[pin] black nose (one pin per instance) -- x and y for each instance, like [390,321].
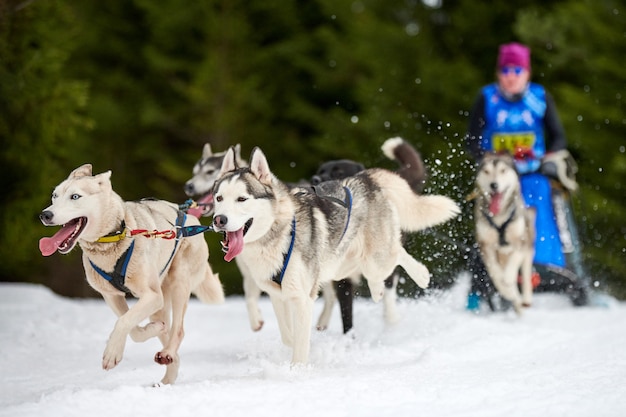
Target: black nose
[190,189]
[220,220]
[494,186]
[46,216]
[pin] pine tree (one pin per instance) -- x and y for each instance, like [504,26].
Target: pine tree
[42,121]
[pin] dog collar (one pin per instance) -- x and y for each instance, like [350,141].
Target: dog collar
[115,236]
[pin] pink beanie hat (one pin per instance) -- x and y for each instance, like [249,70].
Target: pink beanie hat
[514,54]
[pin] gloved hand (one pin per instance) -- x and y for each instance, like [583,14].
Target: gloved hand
[561,166]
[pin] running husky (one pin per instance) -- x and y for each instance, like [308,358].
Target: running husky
[160,273]
[291,241]
[505,228]
[200,186]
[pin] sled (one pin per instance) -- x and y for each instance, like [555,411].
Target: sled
[572,279]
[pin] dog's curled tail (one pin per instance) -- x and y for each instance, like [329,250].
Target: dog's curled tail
[412,168]
[210,290]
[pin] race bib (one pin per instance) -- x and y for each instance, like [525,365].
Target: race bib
[513,143]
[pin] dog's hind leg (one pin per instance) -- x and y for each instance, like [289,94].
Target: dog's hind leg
[210,290]
[527,285]
[416,270]
[389,299]
[345,295]
[343,292]
[329,295]
[179,294]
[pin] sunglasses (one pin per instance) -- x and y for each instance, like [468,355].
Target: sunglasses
[509,70]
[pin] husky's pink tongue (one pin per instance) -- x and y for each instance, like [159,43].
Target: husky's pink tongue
[494,205]
[49,245]
[199,211]
[235,244]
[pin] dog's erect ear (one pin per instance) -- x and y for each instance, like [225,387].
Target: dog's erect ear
[259,166]
[238,159]
[104,178]
[206,151]
[229,163]
[486,158]
[81,171]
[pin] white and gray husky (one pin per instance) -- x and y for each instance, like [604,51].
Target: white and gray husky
[205,171]
[161,273]
[291,241]
[505,228]
[411,168]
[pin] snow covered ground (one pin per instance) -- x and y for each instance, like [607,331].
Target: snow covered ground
[439,360]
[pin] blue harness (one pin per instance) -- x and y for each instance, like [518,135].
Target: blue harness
[117,277]
[278,277]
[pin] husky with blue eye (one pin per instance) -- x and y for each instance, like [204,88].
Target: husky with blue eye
[160,273]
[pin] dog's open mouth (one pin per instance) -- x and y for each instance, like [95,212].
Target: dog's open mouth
[204,206]
[494,203]
[232,244]
[65,239]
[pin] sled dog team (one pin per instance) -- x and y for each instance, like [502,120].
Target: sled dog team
[288,241]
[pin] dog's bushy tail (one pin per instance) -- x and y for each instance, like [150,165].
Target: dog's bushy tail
[416,212]
[210,290]
[425,211]
[412,167]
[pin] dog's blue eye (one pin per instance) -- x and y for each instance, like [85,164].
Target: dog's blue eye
[75,196]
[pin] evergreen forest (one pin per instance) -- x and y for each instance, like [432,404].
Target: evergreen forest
[139,86]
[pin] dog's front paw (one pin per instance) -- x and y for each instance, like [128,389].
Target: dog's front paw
[111,357]
[255,317]
[258,326]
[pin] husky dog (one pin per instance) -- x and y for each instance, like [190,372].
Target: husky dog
[505,228]
[204,175]
[291,241]
[160,273]
[412,169]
